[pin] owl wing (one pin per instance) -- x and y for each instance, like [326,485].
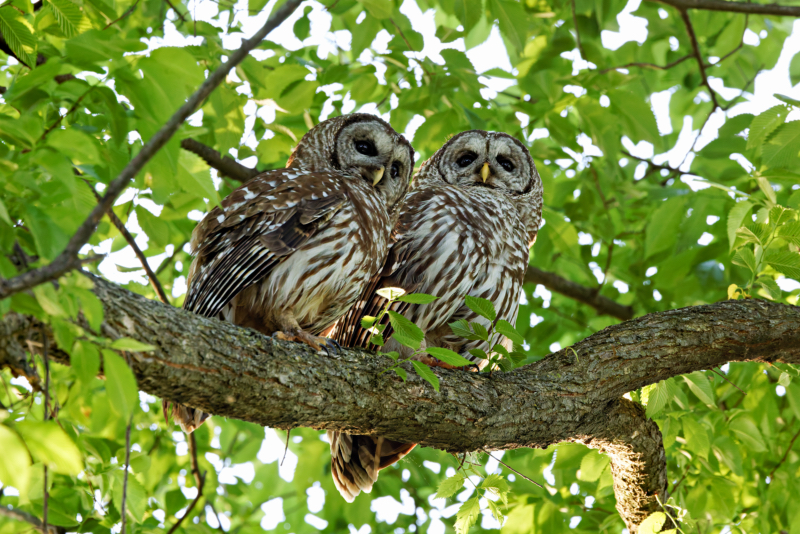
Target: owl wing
[258,225]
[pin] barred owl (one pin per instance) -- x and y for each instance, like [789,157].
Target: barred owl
[290,251]
[465,229]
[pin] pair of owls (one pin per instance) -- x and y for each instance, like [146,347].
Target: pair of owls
[302,250]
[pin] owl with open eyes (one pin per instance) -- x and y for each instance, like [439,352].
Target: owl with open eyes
[289,252]
[465,228]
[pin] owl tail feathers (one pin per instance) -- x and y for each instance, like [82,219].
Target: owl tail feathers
[356,460]
[189,418]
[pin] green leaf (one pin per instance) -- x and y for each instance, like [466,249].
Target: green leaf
[85,360]
[52,446]
[495,481]
[507,329]
[448,356]
[449,486]
[735,217]
[766,188]
[405,332]
[764,124]
[48,299]
[194,177]
[18,33]
[467,515]
[662,231]
[481,306]
[699,384]
[653,523]
[136,499]
[747,432]
[120,384]
[367,322]
[417,298]
[658,396]
[129,344]
[380,9]
[15,465]
[790,232]
[512,20]
[461,328]
[480,331]
[789,100]
[696,437]
[745,258]
[468,12]
[401,373]
[592,466]
[69,17]
[783,147]
[771,287]
[479,353]
[785,262]
[4,214]
[426,374]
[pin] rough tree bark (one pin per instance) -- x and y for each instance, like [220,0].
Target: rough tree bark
[568,396]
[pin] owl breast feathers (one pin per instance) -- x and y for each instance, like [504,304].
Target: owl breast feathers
[290,251]
[465,229]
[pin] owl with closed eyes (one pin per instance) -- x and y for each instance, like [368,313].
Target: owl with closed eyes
[466,228]
[289,252]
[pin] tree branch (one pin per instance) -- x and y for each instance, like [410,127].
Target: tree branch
[586,295]
[19,515]
[698,56]
[68,259]
[734,7]
[225,165]
[571,395]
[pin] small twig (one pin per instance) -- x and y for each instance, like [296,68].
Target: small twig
[738,47]
[678,483]
[125,475]
[785,455]
[225,165]
[744,89]
[581,51]
[19,515]
[648,65]
[198,479]
[696,48]
[72,108]
[175,9]
[286,449]
[526,477]
[46,360]
[403,36]
[136,250]
[127,12]
[725,378]
[608,266]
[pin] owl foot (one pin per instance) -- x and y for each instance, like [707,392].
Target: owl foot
[315,342]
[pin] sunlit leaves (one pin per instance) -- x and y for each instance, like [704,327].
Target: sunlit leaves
[49,444]
[18,33]
[121,384]
[15,467]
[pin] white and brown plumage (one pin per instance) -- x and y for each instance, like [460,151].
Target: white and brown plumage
[290,251]
[465,229]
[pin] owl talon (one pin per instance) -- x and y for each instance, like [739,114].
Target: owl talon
[318,343]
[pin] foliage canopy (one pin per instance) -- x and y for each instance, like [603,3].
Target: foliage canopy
[646,211]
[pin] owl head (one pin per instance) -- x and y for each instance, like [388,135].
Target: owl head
[363,145]
[494,162]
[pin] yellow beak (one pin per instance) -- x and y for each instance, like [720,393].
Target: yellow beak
[485,172]
[377,176]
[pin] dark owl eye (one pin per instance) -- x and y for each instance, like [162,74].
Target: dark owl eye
[505,163]
[396,167]
[466,159]
[366,147]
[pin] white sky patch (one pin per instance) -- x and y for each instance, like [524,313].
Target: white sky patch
[631,28]
[387,508]
[660,104]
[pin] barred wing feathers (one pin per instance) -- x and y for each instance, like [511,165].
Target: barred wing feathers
[258,225]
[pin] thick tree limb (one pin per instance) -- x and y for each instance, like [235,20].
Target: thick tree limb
[734,7]
[568,396]
[586,295]
[68,259]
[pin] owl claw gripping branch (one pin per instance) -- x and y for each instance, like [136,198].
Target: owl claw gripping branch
[290,251]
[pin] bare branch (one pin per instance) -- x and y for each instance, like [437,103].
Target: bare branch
[154,281]
[698,56]
[198,479]
[649,65]
[586,295]
[125,475]
[581,51]
[785,455]
[225,165]
[67,260]
[19,515]
[734,7]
